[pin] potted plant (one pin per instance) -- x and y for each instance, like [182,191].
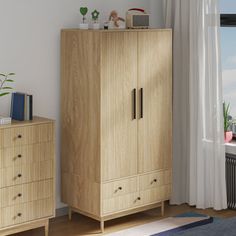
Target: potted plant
[83,12]
[4,84]
[227,122]
[95,15]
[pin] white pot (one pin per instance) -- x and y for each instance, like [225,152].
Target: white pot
[96,26]
[83,26]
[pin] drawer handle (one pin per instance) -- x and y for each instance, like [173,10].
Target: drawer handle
[19,195]
[137,199]
[154,181]
[19,136]
[119,189]
[19,175]
[19,156]
[19,214]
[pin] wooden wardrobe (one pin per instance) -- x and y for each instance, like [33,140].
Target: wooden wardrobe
[116,121]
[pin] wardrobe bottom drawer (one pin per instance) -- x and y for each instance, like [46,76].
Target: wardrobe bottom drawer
[13,215]
[117,204]
[155,195]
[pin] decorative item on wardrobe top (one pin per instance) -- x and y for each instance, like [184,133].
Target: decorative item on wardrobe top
[95,15]
[137,18]
[83,12]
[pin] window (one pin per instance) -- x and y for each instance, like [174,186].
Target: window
[228,52]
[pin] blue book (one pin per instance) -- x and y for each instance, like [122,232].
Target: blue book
[18,106]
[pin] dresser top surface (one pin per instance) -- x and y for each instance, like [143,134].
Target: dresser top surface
[115,30]
[36,120]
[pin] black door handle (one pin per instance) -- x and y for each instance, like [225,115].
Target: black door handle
[141,103]
[134,104]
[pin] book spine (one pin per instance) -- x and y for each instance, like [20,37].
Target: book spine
[18,106]
[25,107]
[12,102]
[31,107]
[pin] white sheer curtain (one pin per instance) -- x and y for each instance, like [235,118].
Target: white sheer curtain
[198,149]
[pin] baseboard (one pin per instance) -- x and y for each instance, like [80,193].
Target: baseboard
[62,211]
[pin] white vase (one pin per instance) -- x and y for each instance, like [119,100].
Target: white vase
[96,26]
[83,26]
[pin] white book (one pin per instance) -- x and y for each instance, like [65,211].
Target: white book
[5,120]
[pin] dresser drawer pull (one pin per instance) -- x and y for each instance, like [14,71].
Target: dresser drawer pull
[119,189]
[19,214]
[19,175]
[19,136]
[154,181]
[19,195]
[19,156]
[137,199]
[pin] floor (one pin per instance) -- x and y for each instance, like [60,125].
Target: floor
[80,225]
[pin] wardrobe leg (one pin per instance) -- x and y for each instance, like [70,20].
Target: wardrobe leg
[162,208]
[102,226]
[46,228]
[70,213]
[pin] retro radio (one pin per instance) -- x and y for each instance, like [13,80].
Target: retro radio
[137,19]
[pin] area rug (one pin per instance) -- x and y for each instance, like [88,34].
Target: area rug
[167,226]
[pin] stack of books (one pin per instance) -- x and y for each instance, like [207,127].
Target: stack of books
[21,106]
[5,120]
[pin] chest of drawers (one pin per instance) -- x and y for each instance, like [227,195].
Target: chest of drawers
[27,188]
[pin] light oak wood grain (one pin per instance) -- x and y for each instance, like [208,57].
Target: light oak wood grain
[21,155]
[26,212]
[155,195]
[26,135]
[80,120]
[125,202]
[26,173]
[155,77]
[26,193]
[118,128]
[155,179]
[120,187]
[106,153]
[27,170]
[71,193]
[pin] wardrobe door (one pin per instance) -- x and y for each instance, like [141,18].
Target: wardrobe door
[155,99]
[118,121]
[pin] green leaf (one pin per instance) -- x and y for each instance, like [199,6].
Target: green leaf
[7,88]
[83,11]
[9,80]
[11,73]
[3,94]
[2,75]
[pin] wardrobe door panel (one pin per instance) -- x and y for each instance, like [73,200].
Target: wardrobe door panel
[118,123]
[155,96]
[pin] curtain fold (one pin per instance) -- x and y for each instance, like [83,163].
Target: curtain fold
[198,143]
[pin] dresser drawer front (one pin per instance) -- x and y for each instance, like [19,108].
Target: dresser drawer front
[19,136]
[21,155]
[121,203]
[155,179]
[21,213]
[26,173]
[118,188]
[26,193]
[155,195]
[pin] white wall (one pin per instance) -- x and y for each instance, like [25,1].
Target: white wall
[30,47]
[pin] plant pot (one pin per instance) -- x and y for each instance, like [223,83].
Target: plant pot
[228,136]
[83,26]
[96,26]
